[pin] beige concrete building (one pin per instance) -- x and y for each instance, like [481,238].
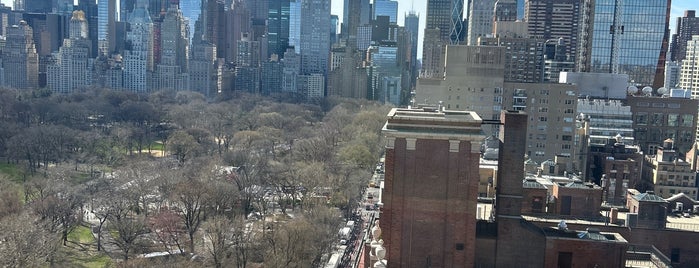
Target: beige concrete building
[551,109]
[473,78]
[670,174]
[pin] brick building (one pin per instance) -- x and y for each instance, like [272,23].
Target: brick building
[431,187]
[577,199]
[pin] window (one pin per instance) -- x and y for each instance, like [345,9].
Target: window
[565,146]
[543,109]
[567,137]
[673,120]
[642,118]
[687,120]
[569,111]
[543,119]
[569,102]
[657,119]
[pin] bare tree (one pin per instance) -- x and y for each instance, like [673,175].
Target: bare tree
[191,199]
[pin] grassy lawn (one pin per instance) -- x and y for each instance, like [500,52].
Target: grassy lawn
[81,251]
[158,146]
[12,171]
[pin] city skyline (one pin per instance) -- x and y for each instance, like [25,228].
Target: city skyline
[419,6]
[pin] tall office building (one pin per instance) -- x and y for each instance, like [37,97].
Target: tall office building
[138,55]
[171,72]
[72,68]
[555,19]
[386,8]
[687,26]
[480,20]
[295,25]
[447,16]
[211,27]
[315,41]
[355,13]
[627,37]
[277,27]
[412,25]
[106,19]
[19,58]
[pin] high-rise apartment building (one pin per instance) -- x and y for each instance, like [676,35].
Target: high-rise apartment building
[315,40]
[552,110]
[555,19]
[19,58]
[480,20]
[72,68]
[204,74]
[627,37]
[687,26]
[524,58]
[138,55]
[689,72]
[386,8]
[171,72]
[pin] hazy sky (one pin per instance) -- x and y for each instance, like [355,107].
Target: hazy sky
[678,8]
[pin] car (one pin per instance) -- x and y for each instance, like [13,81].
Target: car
[370,196]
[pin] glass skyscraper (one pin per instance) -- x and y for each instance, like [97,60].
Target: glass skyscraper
[386,8]
[277,27]
[630,39]
[295,25]
[447,15]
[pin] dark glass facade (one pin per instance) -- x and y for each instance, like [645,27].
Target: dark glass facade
[633,42]
[277,27]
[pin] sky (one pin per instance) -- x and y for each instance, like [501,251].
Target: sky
[420,6]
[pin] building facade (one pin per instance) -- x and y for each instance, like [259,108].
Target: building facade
[627,37]
[430,213]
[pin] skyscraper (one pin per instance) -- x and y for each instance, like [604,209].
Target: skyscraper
[138,55]
[106,18]
[480,20]
[277,27]
[385,8]
[355,13]
[447,15]
[89,7]
[315,41]
[542,23]
[19,58]
[689,72]
[628,37]
[687,26]
[171,72]
[412,25]
[295,25]
[73,66]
